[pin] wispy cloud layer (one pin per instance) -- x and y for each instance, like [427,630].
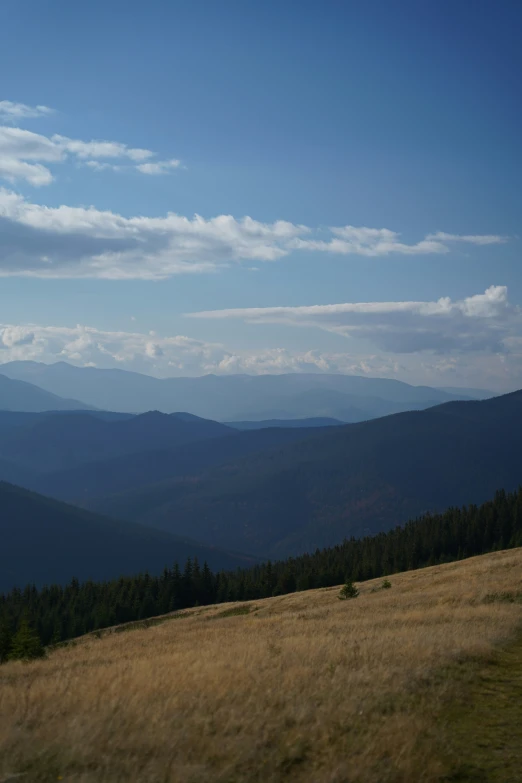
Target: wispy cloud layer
[363,241]
[23,153]
[72,241]
[474,239]
[68,241]
[20,111]
[159,166]
[482,322]
[78,242]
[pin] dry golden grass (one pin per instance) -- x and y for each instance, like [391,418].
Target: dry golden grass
[304,688]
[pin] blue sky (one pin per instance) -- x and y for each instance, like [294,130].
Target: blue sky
[355,168]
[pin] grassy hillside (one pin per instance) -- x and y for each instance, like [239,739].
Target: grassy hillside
[301,688]
[353,480]
[44,541]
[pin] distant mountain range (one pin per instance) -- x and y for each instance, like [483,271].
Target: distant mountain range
[19,395]
[317,421]
[197,487]
[55,442]
[234,397]
[343,481]
[76,456]
[46,542]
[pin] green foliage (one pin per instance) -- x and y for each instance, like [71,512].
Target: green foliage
[57,613]
[386,584]
[348,590]
[6,640]
[26,643]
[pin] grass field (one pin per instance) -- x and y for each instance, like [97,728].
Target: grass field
[420,682]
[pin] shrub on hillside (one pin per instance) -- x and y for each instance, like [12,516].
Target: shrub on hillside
[348,590]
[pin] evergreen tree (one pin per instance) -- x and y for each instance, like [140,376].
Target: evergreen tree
[6,640]
[62,612]
[348,590]
[26,643]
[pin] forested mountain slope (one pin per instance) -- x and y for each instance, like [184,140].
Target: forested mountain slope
[61,442]
[120,473]
[77,455]
[352,480]
[455,534]
[44,541]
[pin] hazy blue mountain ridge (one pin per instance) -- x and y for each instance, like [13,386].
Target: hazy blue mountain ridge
[232,397]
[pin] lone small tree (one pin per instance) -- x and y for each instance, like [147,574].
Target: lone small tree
[26,643]
[6,641]
[348,590]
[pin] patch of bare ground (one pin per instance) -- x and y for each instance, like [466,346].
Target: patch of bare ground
[303,688]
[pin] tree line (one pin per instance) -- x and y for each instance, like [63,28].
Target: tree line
[31,619]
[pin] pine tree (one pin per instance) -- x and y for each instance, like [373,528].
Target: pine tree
[26,643]
[348,590]
[6,641]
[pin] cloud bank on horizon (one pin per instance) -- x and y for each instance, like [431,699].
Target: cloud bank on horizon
[481,335]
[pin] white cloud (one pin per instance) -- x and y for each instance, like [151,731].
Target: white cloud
[20,111]
[365,241]
[35,174]
[99,149]
[473,239]
[370,242]
[23,152]
[171,355]
[68,241]
[181,355]
[159,167]
[95,165]
[481,322]
[25,145]
[164,356]
[86,242]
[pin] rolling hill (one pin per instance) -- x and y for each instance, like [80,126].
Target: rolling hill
[352,480]
[44,541]
[18,395]
[233,397]
[420,682]
[55,442]
[90,480]
[77,456]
